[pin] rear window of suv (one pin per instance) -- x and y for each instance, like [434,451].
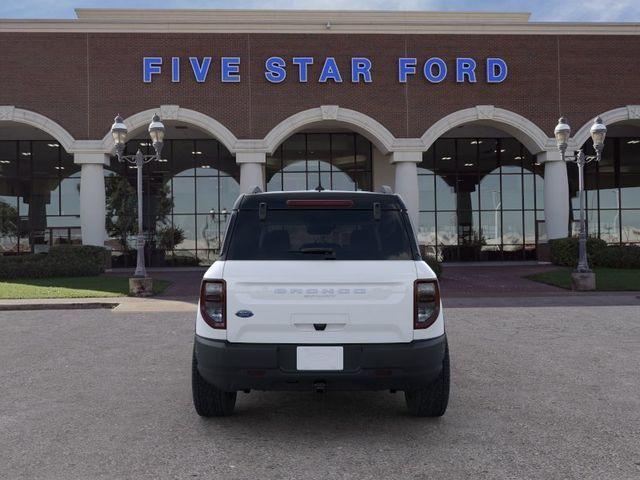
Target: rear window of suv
[312,234]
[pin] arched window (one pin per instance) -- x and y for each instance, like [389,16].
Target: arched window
[480,199]
[334,161]
[188,198]
[612,189]
[39,195]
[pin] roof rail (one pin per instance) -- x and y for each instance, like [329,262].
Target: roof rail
[255,189]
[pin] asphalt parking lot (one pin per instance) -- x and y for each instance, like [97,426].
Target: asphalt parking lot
[537,392]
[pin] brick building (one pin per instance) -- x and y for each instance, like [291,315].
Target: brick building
[455,111]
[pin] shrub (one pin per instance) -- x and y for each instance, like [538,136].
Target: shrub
[564,251]
[61,261]
[168,237]
[182,261]
[618,256]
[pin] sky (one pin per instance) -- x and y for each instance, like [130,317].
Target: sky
[542,10]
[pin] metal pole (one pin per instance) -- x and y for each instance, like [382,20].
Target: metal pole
[140,267]
[583,264]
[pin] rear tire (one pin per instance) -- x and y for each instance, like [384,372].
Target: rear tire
[208,400]
[431,401]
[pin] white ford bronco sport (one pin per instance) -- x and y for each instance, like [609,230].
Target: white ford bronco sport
[320,291]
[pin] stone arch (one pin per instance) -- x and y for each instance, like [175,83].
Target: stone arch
[373,130]
[9,113]
[621,114]
[177,113]
[528,133]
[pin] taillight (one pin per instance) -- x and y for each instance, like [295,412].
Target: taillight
[213,303]
[426,301]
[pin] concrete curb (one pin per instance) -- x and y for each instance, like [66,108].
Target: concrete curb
[578,299]
[57,306]
[115,304]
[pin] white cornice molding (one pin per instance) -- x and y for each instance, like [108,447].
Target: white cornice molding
[297,21]
[292,16]
[37,26]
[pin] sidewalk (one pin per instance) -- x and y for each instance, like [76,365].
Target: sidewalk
[463,286]
[457,280]
[496,280]
[185,282]
[189,304]
[117,304]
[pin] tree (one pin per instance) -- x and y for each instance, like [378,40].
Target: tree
[122,208]
[8,220]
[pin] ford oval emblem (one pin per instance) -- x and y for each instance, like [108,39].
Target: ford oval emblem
[244,313]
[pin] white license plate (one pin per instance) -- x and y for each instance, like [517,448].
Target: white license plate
[320,358]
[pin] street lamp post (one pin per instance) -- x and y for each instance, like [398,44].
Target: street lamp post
[119,133]
[583,278]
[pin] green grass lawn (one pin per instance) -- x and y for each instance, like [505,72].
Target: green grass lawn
[71,287]
[607,279]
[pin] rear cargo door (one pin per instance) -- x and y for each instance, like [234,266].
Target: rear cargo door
[319,302]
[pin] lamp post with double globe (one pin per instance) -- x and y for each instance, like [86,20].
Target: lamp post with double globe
[140,284]
[583,278]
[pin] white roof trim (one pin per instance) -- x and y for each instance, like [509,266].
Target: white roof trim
[278,16]
[311,21]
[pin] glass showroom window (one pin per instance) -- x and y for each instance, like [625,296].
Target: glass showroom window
[480,199]
[336,161]
[39,196]
[188,198]
[612,190]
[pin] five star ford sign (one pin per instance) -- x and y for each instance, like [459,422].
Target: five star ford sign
[360,70]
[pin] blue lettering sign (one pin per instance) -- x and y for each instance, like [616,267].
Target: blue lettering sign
[330,71]
[275,69]
[496,70]
[406,66]
[150,66]
[175,69]
[434,69]
[230,69]
[360,67]
[465,67]
[303,66]
[200,70]
[428,70]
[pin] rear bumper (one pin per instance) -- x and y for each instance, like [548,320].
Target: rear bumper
[391,366]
